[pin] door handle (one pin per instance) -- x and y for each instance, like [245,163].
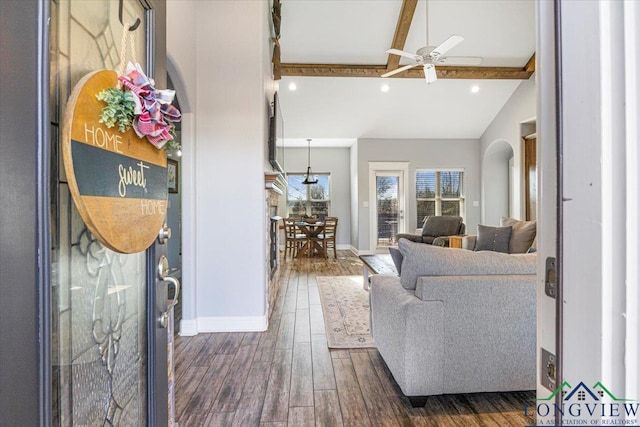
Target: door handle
[163,275]
[176,284]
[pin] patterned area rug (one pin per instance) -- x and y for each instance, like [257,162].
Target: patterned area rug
[345,306]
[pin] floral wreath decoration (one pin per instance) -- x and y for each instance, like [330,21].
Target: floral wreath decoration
[137,103]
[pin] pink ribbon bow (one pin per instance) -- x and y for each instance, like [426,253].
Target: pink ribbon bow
[154,112]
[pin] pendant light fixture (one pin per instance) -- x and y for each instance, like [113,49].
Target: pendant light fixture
[309,179]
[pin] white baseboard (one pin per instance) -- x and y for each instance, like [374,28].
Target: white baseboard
[191,327]
[233,324]
[340,247]
[362,252]
[188,328]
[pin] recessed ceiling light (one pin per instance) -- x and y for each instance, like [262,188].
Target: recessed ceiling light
[385,88]
[475,89]
[292,86]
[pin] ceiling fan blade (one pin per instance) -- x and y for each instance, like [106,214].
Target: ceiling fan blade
[403,53]
[398,70]
[430,75]
[460,60]
[446,45]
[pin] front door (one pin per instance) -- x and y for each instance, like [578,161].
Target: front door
[387,182]
[108,347]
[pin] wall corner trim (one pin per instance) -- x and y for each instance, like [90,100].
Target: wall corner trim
[188,327]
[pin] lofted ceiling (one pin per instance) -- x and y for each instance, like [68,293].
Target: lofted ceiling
[351,33]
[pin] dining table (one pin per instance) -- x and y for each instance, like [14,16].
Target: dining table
[313,246]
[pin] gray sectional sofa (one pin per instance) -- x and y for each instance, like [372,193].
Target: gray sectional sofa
[457,321]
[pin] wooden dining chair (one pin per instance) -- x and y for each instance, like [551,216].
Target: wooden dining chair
[329,235]
[293,238]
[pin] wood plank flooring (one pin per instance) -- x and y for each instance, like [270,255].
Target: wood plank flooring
[286,376]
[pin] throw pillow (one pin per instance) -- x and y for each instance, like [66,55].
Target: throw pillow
[427,260]
[493,238]
[522,235]
[396,256]
[534,246]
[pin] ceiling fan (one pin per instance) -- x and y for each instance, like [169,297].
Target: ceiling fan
[428,57]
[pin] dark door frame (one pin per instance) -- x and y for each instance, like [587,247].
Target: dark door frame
[157,410]
[24,227]
[25,330]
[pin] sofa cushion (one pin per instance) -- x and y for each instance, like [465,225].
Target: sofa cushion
[437,226]
[522,236]
[493,238]
[396,257]
[427,260]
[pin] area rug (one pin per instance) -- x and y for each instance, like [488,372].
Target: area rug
[345,306]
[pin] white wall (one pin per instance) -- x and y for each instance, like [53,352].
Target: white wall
[336,162]
[227,79]
[506,127]
[420,153]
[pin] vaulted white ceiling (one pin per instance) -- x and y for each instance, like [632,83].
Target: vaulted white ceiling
[360,31]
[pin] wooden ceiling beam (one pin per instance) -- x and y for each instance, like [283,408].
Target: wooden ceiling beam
[276,17]
[444,71]
[402,30]
[531,64]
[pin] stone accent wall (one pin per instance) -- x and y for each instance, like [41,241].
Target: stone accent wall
[274,184]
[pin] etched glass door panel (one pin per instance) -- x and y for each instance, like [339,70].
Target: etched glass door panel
[99,328]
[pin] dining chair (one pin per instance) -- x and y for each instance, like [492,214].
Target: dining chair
[293,238]
[329,235]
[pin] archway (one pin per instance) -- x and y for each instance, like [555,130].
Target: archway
[497,182]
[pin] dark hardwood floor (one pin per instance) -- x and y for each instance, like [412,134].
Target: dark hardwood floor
[286,376]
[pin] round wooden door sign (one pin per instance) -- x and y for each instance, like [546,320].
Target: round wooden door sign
[118,181]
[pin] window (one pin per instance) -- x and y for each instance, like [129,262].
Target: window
[305,199]
[439,193]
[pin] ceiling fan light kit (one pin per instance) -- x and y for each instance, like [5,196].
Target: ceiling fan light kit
[430,74]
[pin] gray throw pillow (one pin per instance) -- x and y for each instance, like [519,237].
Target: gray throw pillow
[428,260]
[493,238]
[396,256]
[522,235]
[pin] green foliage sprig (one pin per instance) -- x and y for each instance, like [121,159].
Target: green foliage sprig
[172,144]
[119,109]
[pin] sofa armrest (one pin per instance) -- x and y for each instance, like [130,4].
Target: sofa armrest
[408,333]
[413,237]
[488,320]
[442,241]
[469,242]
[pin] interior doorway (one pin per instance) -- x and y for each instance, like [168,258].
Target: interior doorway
[174,206]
